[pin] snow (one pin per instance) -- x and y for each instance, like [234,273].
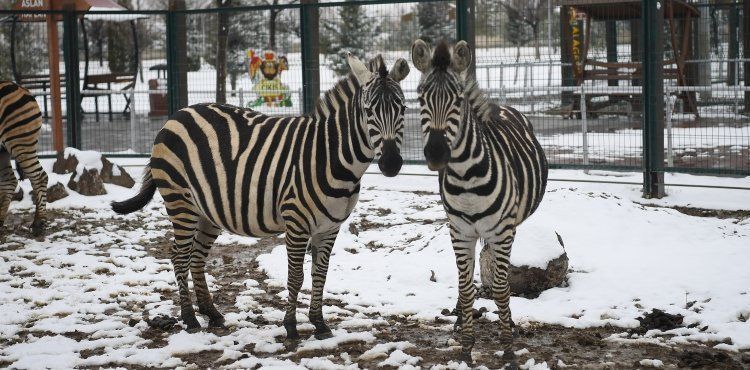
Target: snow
[651,363]
[628,255]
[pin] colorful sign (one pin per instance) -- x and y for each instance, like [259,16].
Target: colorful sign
[265,72]
[576,20]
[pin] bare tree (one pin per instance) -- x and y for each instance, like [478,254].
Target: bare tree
[221,52]
[532,13]
[273,17]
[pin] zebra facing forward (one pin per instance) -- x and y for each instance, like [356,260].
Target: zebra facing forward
[220,167]
[20,123]
[493,173]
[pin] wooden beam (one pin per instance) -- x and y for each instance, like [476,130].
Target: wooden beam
[55,89]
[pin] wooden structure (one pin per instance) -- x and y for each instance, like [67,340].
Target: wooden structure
[584,11]
[53,80]
[92,82]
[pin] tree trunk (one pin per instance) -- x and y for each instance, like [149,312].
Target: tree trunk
[703,51]
[734,46]
[221,55]
[535,30]
[272,27]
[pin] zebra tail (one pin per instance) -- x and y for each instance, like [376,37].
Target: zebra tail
[148,188]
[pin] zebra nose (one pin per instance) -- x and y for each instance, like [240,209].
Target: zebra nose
[390,161]
[436,152]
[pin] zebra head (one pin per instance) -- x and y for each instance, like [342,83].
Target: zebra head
[384,106]
[441,94]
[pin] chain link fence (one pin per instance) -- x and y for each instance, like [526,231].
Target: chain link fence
[575,67]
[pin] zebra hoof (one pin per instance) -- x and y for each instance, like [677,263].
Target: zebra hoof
[291,331]
[465,356]
[191,324]
[38,229]
[216,322]
[323,334]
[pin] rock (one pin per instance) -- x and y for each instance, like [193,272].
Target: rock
[65,163]
[87,183]
[80,163]
[527,280]
[115,174]
[18,196]
[161,322]
[56,192]
[657,319]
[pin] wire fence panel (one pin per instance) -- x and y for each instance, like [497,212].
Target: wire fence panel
[574,67]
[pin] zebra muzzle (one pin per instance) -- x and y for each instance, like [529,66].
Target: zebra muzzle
[390,161]
[436,151]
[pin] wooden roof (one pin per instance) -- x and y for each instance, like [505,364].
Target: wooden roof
[615,10]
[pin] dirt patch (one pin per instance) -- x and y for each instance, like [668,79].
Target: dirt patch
[657,319]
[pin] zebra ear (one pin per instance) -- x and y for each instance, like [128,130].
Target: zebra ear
[359,69]
[400,70]
[461,57]
[421,55]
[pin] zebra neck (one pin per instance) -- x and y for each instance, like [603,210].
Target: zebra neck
[469,159]
[347,141]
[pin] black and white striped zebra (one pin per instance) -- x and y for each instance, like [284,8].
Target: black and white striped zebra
[493,173]
[220,167]
[20,123]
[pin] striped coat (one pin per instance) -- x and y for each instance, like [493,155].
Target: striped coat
[220,167]
[20,124]
[493,174]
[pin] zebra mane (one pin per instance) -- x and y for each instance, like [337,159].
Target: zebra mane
[344,88]
[477,99]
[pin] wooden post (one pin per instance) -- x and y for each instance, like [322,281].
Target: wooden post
[55,89]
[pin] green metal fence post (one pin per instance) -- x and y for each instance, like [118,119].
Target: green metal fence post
[309,27]
[653,98]
[465,28]
[72,89]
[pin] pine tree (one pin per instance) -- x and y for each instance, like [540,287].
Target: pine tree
[353,33]
[434,23]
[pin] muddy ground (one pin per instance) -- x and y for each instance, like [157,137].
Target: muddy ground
[435,341]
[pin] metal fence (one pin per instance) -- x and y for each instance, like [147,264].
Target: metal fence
[575,67]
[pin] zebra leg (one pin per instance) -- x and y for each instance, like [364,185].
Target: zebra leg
[29,163]
[204,237]
[464,247]
[321,253]
[8,184]
[500,249]
[185,220]
[296,246]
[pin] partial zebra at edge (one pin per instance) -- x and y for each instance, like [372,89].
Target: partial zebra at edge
[20,125]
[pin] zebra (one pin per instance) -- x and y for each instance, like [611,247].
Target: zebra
[492,173]
[220,167]
[20,124]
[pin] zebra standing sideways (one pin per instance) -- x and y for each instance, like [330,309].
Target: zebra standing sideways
[20,123]
[223,167]
[493,173]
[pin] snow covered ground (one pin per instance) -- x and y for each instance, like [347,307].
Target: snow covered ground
[68,301]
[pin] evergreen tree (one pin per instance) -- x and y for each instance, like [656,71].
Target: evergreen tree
[353,32]
[434,22]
